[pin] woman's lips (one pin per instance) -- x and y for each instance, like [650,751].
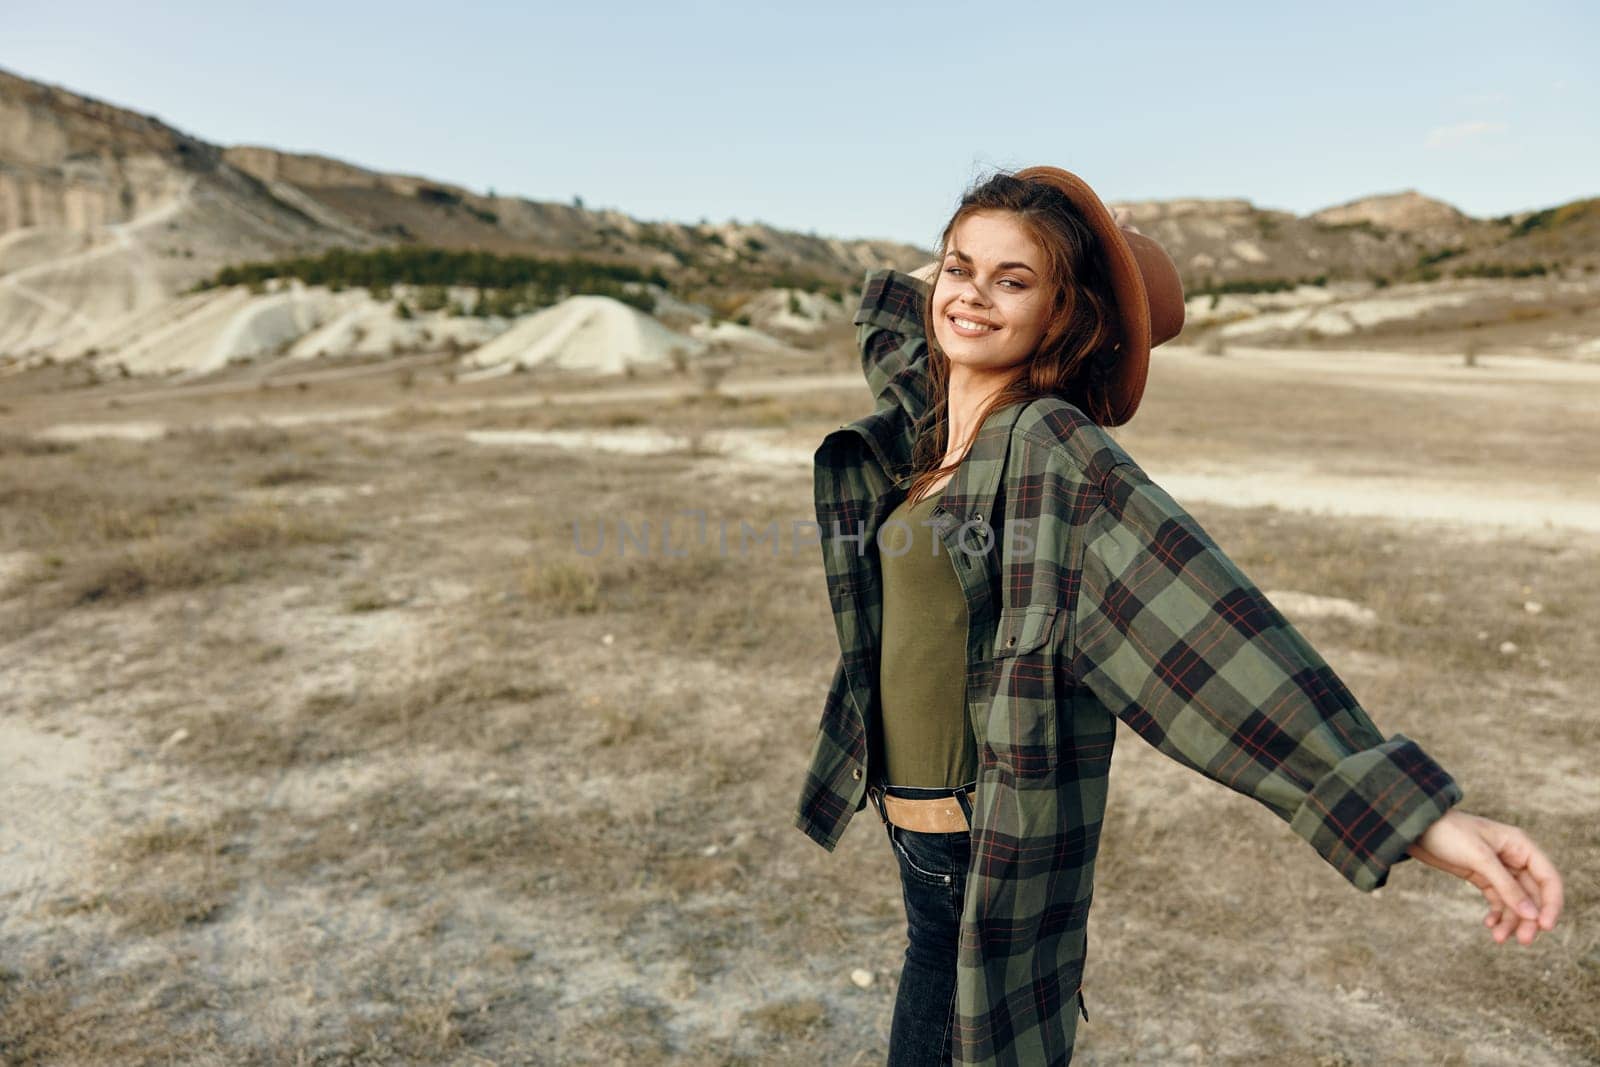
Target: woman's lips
[963,331]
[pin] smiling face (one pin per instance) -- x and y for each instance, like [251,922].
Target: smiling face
[990,299]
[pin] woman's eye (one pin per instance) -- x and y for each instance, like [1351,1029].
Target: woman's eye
[1014,283]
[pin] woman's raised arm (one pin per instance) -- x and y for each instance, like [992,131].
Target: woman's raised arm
[891,339]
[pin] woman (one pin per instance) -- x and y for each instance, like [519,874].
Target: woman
[1007,582]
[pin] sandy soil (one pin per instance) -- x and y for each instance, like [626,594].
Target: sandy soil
[320,743]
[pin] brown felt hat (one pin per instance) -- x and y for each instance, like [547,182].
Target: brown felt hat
[1144,281]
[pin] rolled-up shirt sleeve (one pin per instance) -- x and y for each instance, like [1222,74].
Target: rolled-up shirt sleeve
[891,339]
[1176,641]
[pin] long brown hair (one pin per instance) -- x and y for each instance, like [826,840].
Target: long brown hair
[1078,348]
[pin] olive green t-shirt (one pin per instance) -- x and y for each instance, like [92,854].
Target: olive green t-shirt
[922,674]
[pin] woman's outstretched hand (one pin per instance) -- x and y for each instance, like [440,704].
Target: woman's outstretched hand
[1521,884]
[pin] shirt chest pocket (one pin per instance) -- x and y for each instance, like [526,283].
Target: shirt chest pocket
[1021,730]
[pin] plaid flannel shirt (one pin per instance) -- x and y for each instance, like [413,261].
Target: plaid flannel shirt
[1092,596]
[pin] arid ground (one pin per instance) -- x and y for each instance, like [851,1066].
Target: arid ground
[323,741]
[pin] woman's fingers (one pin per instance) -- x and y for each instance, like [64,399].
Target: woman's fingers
[1496,908]
[1548,881]
[1503,920]
[1510,923]
[1502,929]
[1528,929]
[1538,896]
[1486,864]
[1536,899]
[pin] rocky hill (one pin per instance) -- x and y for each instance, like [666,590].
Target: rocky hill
[106,213]
[1407,211]
[1230,244]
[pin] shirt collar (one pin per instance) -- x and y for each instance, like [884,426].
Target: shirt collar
[971,491]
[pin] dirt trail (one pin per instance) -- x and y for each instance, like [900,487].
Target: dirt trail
[1315,486]
[1487,507]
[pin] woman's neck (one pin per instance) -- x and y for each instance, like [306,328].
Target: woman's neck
[968,392]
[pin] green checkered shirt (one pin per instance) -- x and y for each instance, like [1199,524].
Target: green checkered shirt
[1092,596]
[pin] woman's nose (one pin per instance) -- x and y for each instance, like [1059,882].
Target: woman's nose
[971,294]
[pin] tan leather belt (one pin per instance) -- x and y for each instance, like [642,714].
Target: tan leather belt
[933,815]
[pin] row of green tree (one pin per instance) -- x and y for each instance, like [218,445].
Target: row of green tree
[1215,287]
[506,303]
[542,280]
[1425,270]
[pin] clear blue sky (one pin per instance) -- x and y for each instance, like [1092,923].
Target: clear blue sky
[861,119]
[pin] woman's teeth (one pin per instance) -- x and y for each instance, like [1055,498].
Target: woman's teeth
[968,324]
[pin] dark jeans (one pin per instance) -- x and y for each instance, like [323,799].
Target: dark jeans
[933,879]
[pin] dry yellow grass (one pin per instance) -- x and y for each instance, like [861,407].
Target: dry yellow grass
[400,776]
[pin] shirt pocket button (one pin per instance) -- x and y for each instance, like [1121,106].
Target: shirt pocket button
[856,774]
